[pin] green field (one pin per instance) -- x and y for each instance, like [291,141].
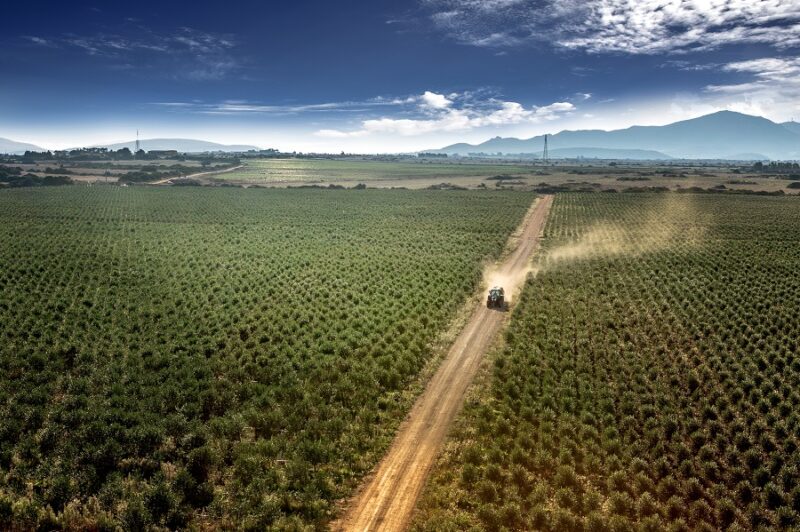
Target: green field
[577,175]
[219,357]
[277,171]
[649,380]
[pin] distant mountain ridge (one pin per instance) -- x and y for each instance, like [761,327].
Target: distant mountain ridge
[12,147]
[720,135]
[608,153]
[598,153]
[181,145]
[792,126]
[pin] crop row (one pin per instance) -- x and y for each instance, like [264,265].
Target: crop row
[218,357]
[649,380]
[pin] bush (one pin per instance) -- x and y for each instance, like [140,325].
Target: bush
[620,504]
[773,496]
[486,491]
[646,506]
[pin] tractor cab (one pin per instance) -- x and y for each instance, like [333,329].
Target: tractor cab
[496,298]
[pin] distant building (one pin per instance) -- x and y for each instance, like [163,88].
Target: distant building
[432,155]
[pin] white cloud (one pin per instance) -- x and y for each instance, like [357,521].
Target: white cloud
[244,107]
[336,134]
[38,40]
[184,52]
[441,115]
[429,112]
[780,68]
[625,26]
[773,86]
[435,101]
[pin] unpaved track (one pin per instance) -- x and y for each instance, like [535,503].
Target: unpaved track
[169,180]
[388,498]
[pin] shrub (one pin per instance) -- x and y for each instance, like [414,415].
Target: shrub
[773,496]
[620,504]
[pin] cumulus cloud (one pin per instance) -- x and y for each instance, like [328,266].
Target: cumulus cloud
[621,26]
[435,101]
[422,114]
[441,114]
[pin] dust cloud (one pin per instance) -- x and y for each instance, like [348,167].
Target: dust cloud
[510,281]
[674,220]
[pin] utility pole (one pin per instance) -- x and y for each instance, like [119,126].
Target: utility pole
[545,155]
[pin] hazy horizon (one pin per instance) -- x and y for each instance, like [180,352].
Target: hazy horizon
[387,77]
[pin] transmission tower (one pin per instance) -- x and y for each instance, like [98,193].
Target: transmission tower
[545,155]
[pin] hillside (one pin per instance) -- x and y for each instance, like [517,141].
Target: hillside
[181,145]
[13,147]
[792,126]
[716,136]
[607,153]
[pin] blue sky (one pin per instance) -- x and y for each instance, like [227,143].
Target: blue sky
[381,76]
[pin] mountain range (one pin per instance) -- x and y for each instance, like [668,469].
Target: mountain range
[792,126]
[14,148]
[721,135]
[181,145]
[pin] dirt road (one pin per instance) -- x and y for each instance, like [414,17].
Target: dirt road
[387,500]
[169,180]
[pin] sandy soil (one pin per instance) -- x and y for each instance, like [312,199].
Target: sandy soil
[388,497]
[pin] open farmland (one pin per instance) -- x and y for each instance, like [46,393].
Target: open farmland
[417,173]
[649,379]
[479,173]
[325,171]
[219,357]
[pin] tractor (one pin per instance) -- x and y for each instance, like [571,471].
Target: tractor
[497,299]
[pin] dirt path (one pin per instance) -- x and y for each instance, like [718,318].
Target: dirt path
[388,498]
[169,180]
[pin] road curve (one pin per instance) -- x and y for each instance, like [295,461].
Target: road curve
[387,499]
